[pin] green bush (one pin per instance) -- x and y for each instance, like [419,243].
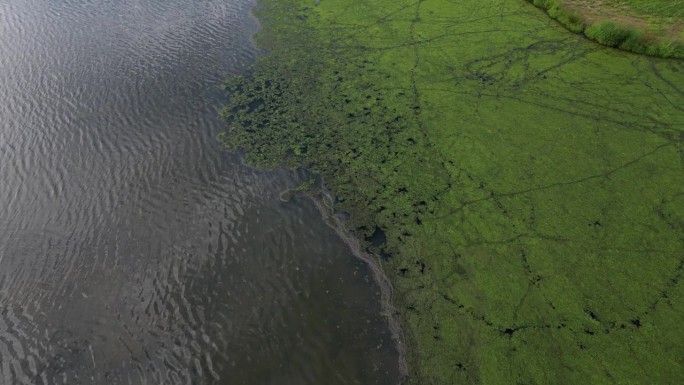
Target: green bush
[636,43]
[611,34]
[664,48]
[572,22]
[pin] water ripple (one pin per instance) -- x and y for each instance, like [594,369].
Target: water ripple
[132,250]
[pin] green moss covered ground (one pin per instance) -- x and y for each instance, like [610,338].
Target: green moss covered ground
[525,187]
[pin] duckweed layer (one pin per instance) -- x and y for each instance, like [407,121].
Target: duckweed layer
[523,187]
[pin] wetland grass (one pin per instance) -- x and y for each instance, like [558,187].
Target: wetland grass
[653,28]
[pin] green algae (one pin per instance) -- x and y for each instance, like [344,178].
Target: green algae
[524,187]
[303,188]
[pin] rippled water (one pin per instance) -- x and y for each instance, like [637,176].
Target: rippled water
[132,249]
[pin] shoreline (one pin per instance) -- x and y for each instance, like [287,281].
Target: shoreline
[321,198]
[622,29]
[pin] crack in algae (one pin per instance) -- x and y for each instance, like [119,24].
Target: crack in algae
[522,189]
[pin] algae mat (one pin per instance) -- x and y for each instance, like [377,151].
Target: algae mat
[523,186]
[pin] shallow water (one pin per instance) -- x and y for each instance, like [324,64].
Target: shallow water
[132,249]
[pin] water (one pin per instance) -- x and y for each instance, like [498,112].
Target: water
[133,250]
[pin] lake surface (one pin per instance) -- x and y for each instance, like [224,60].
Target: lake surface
[133,250]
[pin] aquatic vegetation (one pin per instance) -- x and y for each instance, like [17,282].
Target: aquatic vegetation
[304,187]
[522,187]
[652,27]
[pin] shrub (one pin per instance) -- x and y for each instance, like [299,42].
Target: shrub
[664,48]
[611,34]
[572,22]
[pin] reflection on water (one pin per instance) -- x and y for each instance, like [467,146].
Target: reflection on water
[132,250]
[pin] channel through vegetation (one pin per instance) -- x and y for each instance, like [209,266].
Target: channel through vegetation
[522,187]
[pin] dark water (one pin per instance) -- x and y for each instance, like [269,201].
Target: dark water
[132,249]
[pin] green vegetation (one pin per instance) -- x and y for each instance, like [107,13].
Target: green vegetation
[523,187]
[611,34]
[304,187]
[664,8]
[652,27]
